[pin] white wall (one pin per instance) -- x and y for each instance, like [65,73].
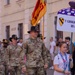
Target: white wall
[0,23]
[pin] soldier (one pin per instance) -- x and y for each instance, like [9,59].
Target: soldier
[3,58]
[15,53]
[37,55]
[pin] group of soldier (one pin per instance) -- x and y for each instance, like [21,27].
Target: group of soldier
[12,56]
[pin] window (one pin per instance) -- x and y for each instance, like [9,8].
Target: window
[58,33]
[7,2]
[18,0]
[7,32]
[20,30]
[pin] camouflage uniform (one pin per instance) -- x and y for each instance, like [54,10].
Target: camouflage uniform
[16,55]
[3,60]
[37,56]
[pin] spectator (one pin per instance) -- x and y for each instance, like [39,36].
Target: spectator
[52,49]
[67,40]
[61,61]
[57,50]
[74,44]
[20,42]
[60,39]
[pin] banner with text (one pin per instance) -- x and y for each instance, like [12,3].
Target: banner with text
[65,23]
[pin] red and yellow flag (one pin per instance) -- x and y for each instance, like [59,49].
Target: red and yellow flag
[39,11]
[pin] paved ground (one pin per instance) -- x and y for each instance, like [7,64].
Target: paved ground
[50,72]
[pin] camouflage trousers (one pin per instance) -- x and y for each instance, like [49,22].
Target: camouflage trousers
[2,70]
[15,70]
[36,71]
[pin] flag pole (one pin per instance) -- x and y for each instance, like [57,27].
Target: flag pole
[71,42]
[72,5]
[71,48]
[43,29]
[43,25]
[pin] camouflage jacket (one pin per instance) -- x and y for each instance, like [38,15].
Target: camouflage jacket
[3,56]
[36,53]
[16,55]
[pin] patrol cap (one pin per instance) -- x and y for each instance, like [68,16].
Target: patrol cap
[33,28]
[13,37]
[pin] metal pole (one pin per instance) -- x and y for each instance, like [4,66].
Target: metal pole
[55,22]
[71,42]
[43,30]
[43,23]
[70,49]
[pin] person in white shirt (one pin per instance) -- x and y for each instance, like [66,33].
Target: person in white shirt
[57,50]
[62,61]
[0,44]
[52,49]
[20,42]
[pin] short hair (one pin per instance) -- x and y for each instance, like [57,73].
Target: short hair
[67,38]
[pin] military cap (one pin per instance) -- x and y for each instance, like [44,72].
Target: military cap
[5,41]
[33,28]
[13,37]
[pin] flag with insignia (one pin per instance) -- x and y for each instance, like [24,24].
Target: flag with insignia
[39,11]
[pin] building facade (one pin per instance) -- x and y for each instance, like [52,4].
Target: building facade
[0,21]
[16,15]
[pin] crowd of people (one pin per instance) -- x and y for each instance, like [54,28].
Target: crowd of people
[33,58]
[63,59]
[20,58]
[11,55]
[8,42]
